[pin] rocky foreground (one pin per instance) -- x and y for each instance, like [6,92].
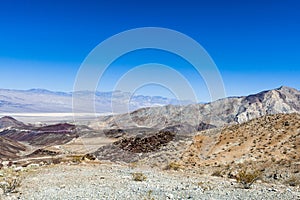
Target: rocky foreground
[96,180]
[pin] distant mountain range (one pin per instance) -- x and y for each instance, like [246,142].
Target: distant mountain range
[232,110]
[156,112]
[45,101]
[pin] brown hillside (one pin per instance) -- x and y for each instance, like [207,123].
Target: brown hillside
[269,138]
[10,148]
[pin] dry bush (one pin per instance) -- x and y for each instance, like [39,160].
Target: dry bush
[205,185]
[218,173]
[173,166]
[74,159]
[247,178]
[10,181]
[56,161]
[133,164]
[293,181]
[138,176]
[149,196]
[89,156]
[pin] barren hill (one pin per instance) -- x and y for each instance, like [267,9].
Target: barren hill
[6,122]
[40,136]
[10,148]
[272,137]
[270,143]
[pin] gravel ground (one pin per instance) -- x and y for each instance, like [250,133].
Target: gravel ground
[114,181]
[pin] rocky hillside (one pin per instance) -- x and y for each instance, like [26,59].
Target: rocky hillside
[233,110]
[10,148]
[38,136]
[268,146]
[272,137]
[6,122]
[270,142]
[132,148]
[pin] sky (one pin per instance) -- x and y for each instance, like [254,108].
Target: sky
[254,44]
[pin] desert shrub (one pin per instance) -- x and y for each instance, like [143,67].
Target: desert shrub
[246,179]
[138,176]
[218,173]
[149,196]
[56,160]
[173,166]
[75,159]
[133,164]
[89,157]
[10,181]
[293,181]
[10,185]
[205,185]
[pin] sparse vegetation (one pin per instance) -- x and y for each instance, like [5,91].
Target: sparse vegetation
[138,176]
[9,181]
[205,185]
[247,178]
[293,181]
[133,164]
[218,173]
[75,159]
[149,196]
[173,166]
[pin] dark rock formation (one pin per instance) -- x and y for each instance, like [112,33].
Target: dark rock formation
[42,152]
[144,144]
[204,126]
[114,133]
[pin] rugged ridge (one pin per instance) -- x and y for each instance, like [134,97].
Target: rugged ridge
[232,110]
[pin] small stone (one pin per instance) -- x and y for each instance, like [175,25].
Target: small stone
[170,196]
[18,169]
[272,189]
[33,165]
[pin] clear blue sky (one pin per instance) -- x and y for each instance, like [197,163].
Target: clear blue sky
[255,44]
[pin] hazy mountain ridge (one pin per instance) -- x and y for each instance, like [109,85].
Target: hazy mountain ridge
[43,101]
